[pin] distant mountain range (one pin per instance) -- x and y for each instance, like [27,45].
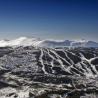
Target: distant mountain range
[24,41]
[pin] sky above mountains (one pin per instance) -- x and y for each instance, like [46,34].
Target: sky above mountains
[52,19]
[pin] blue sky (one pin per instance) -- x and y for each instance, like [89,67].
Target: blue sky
[53,19]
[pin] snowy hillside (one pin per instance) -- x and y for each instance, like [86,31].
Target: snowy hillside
[29,72]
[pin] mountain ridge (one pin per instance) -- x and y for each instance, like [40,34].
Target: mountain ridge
[26,41]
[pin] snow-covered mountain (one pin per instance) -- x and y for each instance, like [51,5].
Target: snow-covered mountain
[24,41]
[41,72]
[29,72]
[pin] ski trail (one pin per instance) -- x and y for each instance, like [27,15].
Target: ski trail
[52,61]
[89,61]
[62,58]
[59,60]
[72,63]
[68,57]
[68,67]
[81,67]
[41,60]
[51,57]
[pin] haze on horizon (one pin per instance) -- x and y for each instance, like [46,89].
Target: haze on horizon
[51,19]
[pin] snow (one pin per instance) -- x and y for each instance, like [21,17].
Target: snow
[25,41]
[46,81]
[22,41]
